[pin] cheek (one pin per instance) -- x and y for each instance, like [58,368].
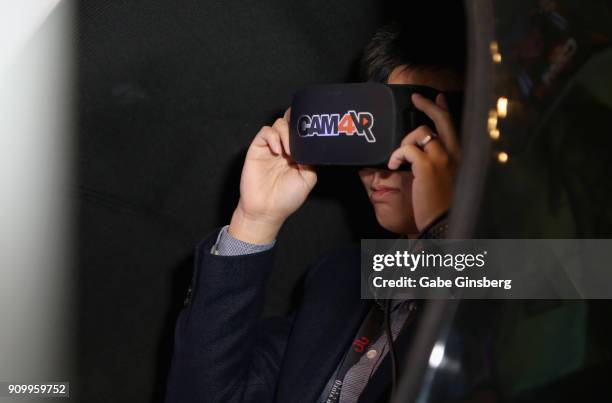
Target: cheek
[402,204]
[406,183]
[366,178]
[402,181]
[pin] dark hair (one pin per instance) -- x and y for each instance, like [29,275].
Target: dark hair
[433,40]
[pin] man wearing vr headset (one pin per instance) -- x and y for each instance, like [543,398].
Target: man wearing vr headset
[223,351]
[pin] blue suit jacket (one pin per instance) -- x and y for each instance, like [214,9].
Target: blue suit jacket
[224,352]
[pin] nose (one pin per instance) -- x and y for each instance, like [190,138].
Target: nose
[380,174]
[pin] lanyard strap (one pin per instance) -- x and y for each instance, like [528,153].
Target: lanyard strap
[370,329]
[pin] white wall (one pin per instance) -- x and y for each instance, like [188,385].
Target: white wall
[35,151]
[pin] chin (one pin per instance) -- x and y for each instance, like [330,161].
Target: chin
[395,217]
[395,225]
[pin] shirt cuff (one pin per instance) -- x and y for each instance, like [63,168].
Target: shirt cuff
[227,245]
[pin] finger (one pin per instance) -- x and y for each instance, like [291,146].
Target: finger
[287,114]
[282,127]
[270,138]
[415,136]
[441,101]
[442,120]
[309,174]
[407,153]
[434,148]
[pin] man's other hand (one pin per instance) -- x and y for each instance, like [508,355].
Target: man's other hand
[434,158]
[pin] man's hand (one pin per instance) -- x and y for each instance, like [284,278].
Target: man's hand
[272,185]
[434,164]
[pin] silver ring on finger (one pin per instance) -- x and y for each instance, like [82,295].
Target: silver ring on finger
[427,140]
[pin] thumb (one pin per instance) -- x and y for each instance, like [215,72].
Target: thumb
[441,101]
[287,114]
[308,173]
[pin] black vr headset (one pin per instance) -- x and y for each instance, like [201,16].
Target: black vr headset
[356,124]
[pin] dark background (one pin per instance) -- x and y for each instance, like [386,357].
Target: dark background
[170,95]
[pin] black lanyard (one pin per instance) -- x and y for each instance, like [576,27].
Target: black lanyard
[371,328]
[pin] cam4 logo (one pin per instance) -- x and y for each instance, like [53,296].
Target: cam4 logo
[333,125]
